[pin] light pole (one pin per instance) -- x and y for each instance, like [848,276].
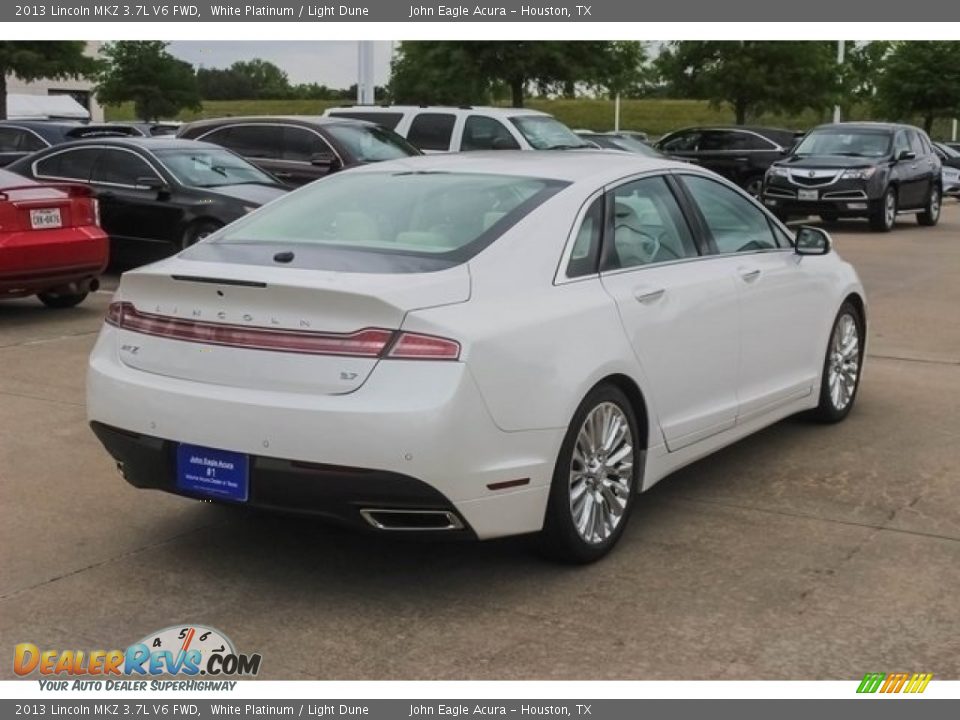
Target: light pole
[365,81]
[840,48]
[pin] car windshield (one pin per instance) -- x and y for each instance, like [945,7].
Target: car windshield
[546,133]
[211,167]
[624,142]
[437,214]
[856,143]
[368,143]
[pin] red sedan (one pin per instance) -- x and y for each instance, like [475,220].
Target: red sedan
[51,244]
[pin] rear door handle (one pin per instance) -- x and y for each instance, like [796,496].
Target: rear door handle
[749,275]
[647,294]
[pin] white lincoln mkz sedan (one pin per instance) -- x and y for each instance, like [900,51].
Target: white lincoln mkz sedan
[479,345]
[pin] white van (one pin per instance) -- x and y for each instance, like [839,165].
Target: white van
[458,129]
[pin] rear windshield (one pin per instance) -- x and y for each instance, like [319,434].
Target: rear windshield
[368,143]
[857,143]
[450,216]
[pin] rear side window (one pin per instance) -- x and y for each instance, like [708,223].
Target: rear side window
[431,131]
[256,141]
[735,223]
[484,133]
[384,119]
[647,226]
[68,165]
[119,167]
[445,215]
[17,140]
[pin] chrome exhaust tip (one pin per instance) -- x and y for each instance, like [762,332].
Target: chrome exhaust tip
[411,520]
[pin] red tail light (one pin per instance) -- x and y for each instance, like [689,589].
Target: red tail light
[369,342]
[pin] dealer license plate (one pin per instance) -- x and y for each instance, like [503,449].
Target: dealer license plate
[219,474]
[808,195]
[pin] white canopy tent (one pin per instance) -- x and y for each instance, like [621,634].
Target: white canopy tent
[40,107]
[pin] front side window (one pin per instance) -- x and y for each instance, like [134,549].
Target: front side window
[68,164]
[440,214]
[210,167]
[432,131]
[647,226]
[735,223]
[900,143]
[119,167]
[300,144]
[485,133]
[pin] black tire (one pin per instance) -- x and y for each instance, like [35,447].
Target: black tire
[828,411]
[197,231]
[931,211]
[560,539]
[881,219]
[61,301]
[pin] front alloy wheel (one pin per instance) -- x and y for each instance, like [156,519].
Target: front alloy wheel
[595,479]
[841,371]
[931,212]
[884,215]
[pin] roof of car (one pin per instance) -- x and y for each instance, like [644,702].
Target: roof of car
[565,165]
[299,119]
[162,142]
[485,109]
[864,125]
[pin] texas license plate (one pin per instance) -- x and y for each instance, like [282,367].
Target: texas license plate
[44,218]
[220,474]
[808,195]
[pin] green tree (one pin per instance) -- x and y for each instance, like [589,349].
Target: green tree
[447,72]
[752,76]
[264,79]
[143,72]
[33,60]
[921,79]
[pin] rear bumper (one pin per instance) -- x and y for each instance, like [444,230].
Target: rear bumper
[414,432]
[342,494]
[40,260]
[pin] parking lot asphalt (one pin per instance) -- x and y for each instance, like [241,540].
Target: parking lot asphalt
[804,552]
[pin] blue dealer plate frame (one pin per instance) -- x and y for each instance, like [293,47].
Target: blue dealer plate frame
[211,473]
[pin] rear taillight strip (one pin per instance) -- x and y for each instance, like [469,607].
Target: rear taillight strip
[369,342]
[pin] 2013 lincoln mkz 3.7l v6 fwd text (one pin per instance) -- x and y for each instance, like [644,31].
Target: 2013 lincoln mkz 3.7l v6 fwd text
[478,345]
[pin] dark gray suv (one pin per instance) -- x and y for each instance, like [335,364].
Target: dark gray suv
[871,170]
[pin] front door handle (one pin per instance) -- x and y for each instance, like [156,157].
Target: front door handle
[749,275]
[648,295]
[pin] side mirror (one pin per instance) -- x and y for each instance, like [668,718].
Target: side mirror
[812,241]
[152,182]
[906,155]
[325,159]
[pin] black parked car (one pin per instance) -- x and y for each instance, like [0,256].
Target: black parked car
[950,171]
[151,129]
[872,170]
[298,150]
[156,195]
[19,138]
[740,154]
[619,141]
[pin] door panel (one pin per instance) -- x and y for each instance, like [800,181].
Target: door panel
[680,312]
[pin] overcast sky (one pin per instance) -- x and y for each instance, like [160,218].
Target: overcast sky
[329,63]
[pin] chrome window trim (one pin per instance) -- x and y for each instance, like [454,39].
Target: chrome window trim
[89,181]
[271,124]
[31,132]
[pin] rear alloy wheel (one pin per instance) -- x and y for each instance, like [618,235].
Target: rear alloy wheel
[198,231]
[884,214]
[841,367]
[61,301]
[595,480]
[931,212]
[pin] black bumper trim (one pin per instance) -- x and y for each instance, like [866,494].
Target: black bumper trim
[329,491]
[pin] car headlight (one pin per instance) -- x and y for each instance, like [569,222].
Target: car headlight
[774,171]
[859,173]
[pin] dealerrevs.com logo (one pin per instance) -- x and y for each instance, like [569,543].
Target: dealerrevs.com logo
[894,682]
[179,650]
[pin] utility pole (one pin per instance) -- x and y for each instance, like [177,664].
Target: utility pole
[840,48]
[365,81]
